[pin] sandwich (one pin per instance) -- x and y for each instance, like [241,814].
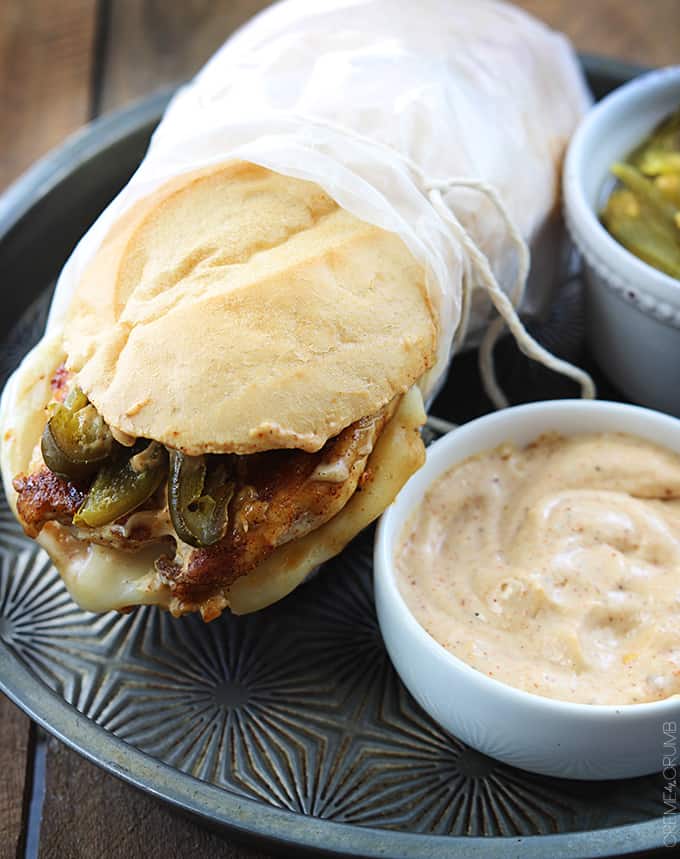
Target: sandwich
[231,397]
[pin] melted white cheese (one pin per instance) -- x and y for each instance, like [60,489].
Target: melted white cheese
[100,578]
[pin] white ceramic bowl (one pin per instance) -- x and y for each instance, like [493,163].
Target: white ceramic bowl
[526,730]
[633,310]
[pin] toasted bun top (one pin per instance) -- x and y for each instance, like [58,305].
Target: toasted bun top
[239,310]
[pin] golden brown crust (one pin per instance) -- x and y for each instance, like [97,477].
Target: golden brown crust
[243,311]
[44,496]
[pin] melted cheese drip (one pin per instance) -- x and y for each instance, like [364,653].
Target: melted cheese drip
[101,578]
[332,472]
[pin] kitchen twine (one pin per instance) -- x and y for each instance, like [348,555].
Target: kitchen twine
[477,266]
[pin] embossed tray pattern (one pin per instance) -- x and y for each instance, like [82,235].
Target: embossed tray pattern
[285,723]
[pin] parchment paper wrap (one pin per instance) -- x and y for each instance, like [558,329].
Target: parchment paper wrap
[340,91]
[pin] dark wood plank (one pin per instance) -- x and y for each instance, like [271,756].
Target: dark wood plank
[88,813]
[151,43]
[45,71]
[45,76]
[15,754]
[638,31]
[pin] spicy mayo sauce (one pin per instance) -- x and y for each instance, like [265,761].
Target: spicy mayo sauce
[555,568]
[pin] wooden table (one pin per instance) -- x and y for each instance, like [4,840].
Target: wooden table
[63,62]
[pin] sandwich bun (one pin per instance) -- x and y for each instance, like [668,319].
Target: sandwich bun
[237,310]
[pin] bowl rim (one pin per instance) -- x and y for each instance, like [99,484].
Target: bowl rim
[581,218]
[439,458]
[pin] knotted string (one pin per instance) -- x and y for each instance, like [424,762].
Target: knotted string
[504,305]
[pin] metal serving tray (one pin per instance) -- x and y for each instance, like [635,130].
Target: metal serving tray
[289,727]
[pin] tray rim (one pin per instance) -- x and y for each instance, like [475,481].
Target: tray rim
[248,819]
[282,828]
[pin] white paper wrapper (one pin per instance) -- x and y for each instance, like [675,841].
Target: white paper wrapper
[340,91]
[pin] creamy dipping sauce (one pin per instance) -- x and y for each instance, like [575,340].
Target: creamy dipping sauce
[554,568]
